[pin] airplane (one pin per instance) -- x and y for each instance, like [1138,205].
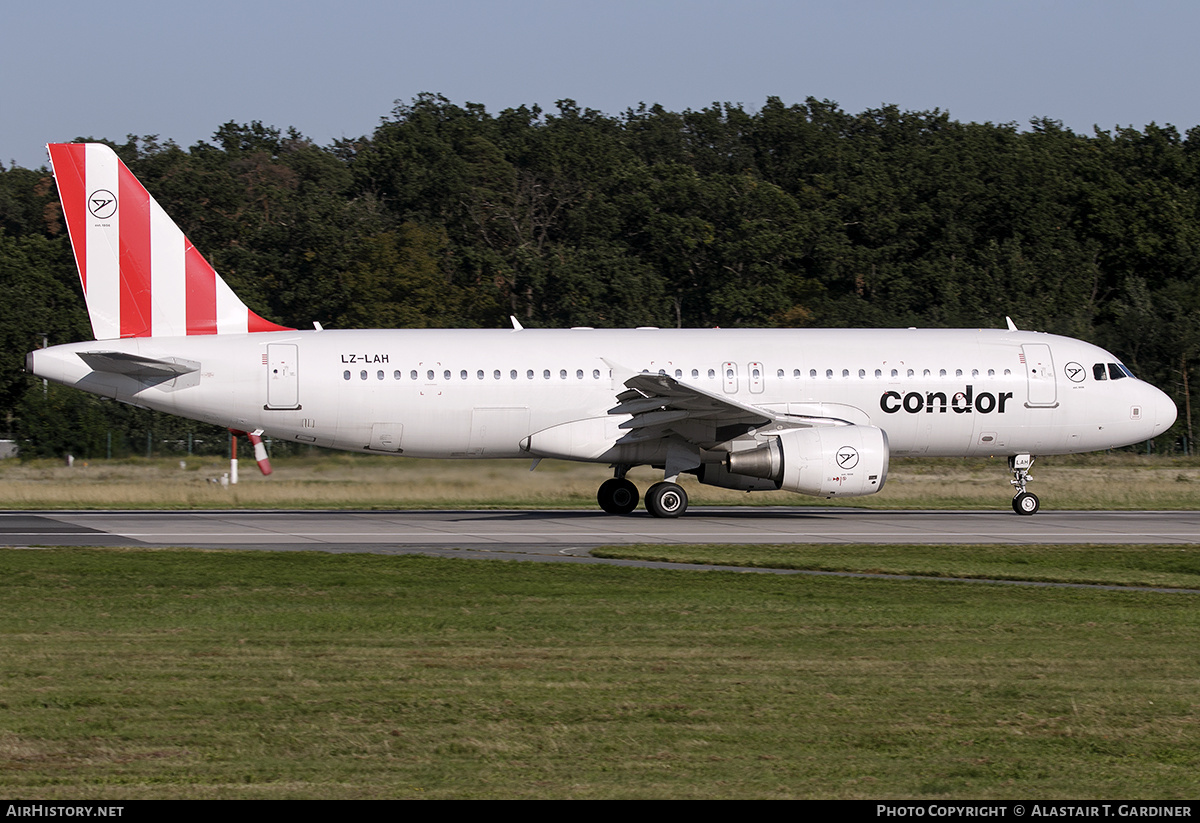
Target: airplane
[814,411]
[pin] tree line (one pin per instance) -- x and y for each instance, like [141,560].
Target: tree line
[449,215]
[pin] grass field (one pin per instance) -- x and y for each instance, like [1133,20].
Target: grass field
[172,674]
[151,674]
[1099,481]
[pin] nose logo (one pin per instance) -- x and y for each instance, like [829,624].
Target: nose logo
[1074,371]
[847,457]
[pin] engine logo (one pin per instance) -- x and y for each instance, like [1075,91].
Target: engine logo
[847,457]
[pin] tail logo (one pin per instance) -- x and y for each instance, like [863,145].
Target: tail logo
[102,204]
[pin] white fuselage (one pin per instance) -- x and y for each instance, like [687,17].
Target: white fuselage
[483,393]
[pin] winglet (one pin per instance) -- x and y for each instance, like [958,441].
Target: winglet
[516,323]
[1011,325]
[141,276]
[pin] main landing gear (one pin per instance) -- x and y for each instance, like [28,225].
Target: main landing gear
[1023,502]
[617,496]
[666,499]
[620,496]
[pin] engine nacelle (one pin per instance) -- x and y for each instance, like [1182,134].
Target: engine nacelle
[824,461]
[715,474]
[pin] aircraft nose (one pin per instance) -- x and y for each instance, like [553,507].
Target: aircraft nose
[1164,411]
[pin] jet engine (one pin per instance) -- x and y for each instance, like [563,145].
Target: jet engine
[716,474]
[824,461]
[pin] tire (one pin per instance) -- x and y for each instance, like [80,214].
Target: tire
[1026,504]
[617,496]
[666,500]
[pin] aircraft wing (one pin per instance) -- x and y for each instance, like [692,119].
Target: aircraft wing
[662,406]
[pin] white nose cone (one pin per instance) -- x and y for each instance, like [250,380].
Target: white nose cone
[1164,411]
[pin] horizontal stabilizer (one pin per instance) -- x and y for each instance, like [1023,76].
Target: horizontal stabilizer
[116,362]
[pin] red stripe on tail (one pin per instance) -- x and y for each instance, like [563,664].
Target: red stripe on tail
[68,161]
[201,292]
[256,323]
[136,289]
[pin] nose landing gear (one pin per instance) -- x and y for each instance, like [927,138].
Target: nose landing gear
[1024,502]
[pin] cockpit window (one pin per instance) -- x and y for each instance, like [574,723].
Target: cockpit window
[1110,371]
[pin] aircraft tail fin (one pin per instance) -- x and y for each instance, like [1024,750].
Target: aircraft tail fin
[141,276]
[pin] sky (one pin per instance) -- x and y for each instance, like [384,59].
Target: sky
[333,70]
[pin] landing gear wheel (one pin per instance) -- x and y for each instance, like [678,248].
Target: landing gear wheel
[1026,503]
[617,496]
[666,500]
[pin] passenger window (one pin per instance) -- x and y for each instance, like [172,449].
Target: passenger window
[595,374]
[812,374]
[379,375]
[413,374]
[712,374]
[845,374]
[958,372]
[479,374]
[396,374]
[545,374]
[346,374]
[796,374]
[862,373]
[780,373]
[695,374]
[429,375]
[529,374]
[991,372]
[829,374]
[562,374]
[974,372]
[496,374]
[941,372]
[1098,372]
[512,375]
[579,374]
[446,374]
[362,375]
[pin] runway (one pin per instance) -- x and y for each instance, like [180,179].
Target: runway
[569,534]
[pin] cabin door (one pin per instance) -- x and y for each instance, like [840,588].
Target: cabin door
[1039,372]
[283,376]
